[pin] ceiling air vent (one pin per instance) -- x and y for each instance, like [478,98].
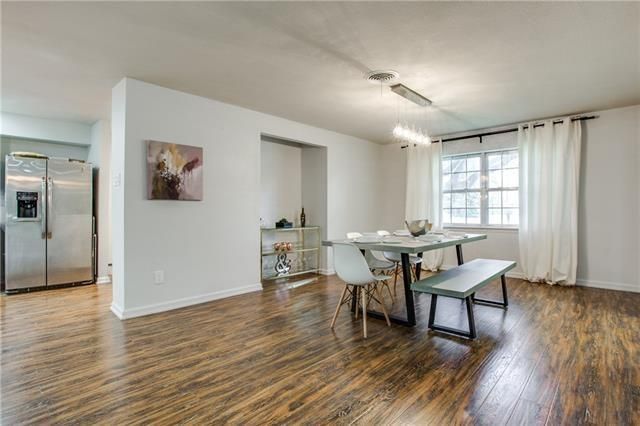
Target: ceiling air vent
[382,76]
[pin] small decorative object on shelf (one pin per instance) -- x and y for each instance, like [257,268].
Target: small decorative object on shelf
[284,223]
[298,254]
[303,219]
[283,265]
[283,246]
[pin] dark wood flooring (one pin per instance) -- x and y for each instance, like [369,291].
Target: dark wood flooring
[557,356]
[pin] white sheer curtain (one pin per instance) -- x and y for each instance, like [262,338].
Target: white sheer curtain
[549,184]
[423,192]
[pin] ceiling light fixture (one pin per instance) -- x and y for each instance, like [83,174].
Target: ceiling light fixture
[404,132]
[411,95]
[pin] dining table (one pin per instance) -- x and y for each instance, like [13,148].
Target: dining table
[406,246]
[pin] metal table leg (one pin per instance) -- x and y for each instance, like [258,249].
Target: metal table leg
[410,321]
[459,254]
[418,267]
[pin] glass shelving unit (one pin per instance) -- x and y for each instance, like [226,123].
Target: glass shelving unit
[304,254]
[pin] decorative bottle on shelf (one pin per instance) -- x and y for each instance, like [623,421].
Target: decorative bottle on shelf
[303,219]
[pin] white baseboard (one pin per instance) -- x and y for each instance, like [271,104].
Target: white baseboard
[117,310]
[326,271]
[181,303]
[609,285]
[103,280]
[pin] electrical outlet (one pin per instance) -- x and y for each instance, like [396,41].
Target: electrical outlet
[158,277]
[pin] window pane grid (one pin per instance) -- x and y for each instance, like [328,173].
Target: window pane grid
[481,189]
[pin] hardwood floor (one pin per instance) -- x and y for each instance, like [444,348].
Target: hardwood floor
[557,356]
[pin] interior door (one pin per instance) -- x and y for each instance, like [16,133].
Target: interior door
[69,229]
[25,243]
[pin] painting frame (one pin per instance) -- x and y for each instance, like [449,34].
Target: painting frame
[174,171]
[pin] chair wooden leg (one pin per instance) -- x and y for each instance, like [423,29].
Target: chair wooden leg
[340,303]
[363,292]
[393,299]
[384,310]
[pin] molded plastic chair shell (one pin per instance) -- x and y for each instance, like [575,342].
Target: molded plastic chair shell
[375,259]
[350,264]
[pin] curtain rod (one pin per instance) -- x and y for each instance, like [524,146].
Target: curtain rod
[510,130]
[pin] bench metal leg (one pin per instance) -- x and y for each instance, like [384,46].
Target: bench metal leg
[471,334]
[472,321]
[505,300]
[432,311]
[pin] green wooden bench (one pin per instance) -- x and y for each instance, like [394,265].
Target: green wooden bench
[462,282]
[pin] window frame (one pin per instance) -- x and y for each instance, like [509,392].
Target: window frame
[484,190]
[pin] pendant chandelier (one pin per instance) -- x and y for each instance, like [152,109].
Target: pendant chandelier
[409,130]
[406,130]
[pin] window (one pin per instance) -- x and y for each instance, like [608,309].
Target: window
[480,189]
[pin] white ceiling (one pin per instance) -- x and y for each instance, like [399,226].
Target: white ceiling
[482,64]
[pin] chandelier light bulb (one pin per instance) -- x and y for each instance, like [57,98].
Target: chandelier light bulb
[427,139]
[411,134]
[397,131]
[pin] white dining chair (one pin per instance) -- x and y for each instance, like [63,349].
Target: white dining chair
[414,260]
[377,262]
[353,269]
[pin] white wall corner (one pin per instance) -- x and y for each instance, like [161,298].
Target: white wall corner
[326,271]
[183,302]
[117,311]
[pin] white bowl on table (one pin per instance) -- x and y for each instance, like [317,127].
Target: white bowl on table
[368,237]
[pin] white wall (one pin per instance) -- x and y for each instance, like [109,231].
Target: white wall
[100,157]
[24,126]
[211,249]
[609,210]
[280,182]
[50,149]
[393,186]
[314,194]
[118,138]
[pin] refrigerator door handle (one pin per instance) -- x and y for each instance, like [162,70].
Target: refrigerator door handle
[43,212]
[49,205]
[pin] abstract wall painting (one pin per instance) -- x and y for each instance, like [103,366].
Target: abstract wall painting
[174,172]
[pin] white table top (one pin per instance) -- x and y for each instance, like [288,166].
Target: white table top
[410,244]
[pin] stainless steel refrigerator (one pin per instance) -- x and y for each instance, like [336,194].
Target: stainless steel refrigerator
[47,223]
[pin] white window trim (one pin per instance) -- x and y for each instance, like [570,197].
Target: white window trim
[484,191]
